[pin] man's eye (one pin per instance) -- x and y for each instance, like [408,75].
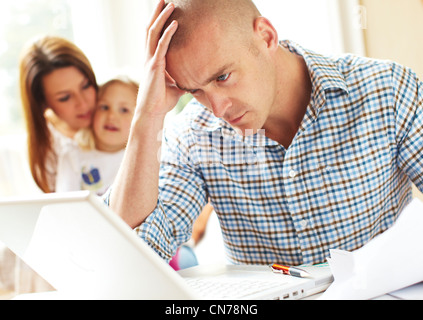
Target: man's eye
[223,77]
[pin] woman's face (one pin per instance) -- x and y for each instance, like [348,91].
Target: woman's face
[71,96]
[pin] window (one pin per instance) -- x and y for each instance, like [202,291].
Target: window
[112,33]
[19,22]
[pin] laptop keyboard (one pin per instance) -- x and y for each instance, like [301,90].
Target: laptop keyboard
[229,288]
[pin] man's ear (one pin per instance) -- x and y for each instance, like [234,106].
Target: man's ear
[264,29]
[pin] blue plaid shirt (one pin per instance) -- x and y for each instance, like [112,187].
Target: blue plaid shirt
[344,179]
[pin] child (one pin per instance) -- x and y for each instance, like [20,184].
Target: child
[94,165]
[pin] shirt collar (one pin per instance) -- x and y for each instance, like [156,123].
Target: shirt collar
[323,70]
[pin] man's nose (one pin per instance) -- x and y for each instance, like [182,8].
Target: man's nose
[219,104]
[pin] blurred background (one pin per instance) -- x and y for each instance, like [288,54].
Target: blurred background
[111,34]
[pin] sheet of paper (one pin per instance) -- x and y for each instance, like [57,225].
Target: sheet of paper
[391,261]
[414,292]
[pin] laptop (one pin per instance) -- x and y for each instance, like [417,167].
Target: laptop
[85,251]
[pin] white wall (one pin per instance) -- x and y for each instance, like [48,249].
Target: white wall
[325,26]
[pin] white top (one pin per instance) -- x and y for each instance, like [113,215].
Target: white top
[87,170]
[77,169]
[60,145]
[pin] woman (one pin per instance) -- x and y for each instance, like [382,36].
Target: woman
[58,92]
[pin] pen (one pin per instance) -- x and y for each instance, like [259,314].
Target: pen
[293,271]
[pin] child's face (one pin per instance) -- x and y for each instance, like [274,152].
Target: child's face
[112,119]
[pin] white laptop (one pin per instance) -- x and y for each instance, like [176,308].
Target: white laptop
[85,251]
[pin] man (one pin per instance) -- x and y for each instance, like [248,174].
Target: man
[297,152]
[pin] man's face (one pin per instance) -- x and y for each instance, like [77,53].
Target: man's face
[232,77]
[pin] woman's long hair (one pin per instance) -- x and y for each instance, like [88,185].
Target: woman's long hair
[39,59]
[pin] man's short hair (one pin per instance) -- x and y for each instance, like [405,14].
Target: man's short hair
[236,15]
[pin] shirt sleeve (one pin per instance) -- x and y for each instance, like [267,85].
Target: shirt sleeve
[408,104]
[182,196]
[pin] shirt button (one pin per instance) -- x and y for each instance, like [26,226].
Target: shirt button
[303,223]
[292,173]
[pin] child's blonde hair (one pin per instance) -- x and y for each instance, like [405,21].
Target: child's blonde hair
[85,137]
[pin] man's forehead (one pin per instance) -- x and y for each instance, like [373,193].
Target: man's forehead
[200,62]
[210,75]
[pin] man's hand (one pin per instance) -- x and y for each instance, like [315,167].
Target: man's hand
[135,191]
[158,93]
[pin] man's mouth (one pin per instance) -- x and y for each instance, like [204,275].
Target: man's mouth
[236,120]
